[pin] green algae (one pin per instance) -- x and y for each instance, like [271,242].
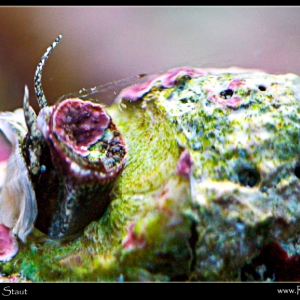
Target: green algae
[160,226]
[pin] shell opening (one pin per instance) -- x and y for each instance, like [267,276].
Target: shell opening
[79,124]
[84,142]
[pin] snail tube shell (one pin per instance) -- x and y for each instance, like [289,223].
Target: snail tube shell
[87,154]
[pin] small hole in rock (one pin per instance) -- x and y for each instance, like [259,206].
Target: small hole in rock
[297,170]
[262,88]
[226,94]
[249,177]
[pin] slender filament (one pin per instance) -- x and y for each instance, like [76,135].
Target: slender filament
[38,74]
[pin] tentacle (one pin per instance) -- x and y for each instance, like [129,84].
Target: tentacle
[29,114]
[38,74]
[34,141]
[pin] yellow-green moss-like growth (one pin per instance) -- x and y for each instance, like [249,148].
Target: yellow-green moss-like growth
[211,175]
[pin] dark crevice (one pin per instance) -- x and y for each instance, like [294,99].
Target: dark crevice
[193,242]
[262,88]
[249,177]
[226,94]
[273,264]
[297,170]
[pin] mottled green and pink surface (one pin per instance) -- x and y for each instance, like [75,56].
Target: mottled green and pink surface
[212,175]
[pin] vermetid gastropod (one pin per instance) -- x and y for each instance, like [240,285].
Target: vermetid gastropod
[87,153]
[73,153]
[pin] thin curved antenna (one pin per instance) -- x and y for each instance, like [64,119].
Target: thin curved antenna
[28,113]
[38,74]
[34,145]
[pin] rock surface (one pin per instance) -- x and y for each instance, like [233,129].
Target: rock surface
[212,176]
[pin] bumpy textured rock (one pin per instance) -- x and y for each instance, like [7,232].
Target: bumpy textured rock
[242,133]
[212,175]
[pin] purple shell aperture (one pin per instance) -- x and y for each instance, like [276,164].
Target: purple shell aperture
[79,124]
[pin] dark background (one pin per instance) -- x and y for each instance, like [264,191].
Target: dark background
[102,43]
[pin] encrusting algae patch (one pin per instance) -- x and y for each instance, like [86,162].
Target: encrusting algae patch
[188,176]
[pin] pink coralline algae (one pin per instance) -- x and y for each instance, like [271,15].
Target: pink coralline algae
[8,244]
[184,164]
[226,97]
[236,83]
[232,102]
[169,79]
[132,240]
[165,80]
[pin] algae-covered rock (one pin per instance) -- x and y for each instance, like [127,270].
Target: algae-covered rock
[197,170]
[242,133]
